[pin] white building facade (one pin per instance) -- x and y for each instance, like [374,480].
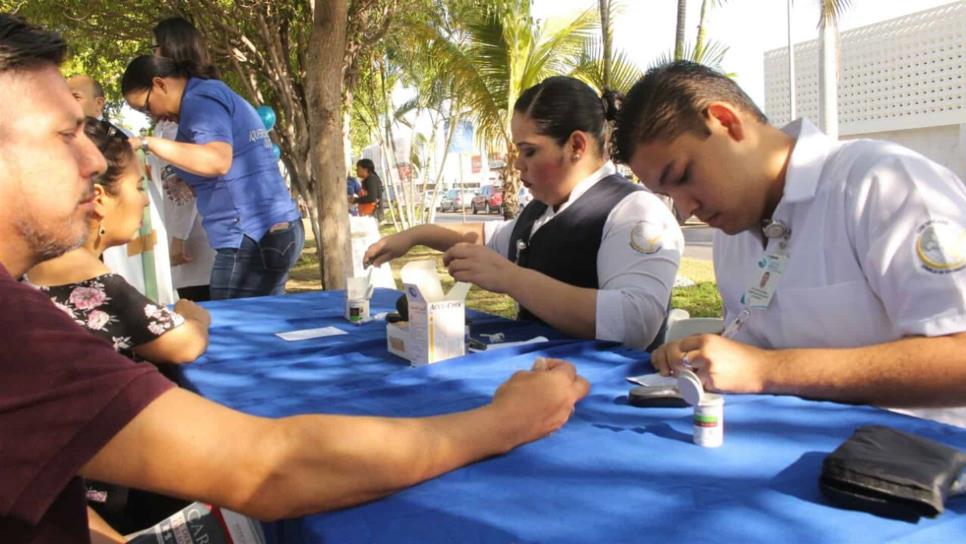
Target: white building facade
[902,80]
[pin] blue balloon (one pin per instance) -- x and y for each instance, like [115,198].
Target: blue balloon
[277,151]
[267,115]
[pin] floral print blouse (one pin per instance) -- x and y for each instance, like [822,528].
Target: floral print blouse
[110,307]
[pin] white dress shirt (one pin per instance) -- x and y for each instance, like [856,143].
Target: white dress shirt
[877,251]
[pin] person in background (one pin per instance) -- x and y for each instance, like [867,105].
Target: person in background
[192,257]
[593,254]
[224,153]
[88,93]
[369,199]
[353,190]
[863,243]
[73,408]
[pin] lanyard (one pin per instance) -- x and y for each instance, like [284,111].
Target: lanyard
[762,283]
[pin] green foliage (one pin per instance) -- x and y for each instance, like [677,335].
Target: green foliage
[495,53]
[831,11]
[590,69]
[711,55]
[101,38]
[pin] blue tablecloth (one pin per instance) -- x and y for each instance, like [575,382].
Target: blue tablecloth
[614,473]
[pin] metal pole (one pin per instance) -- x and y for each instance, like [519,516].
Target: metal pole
[791,67]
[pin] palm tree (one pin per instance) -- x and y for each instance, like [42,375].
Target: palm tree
[681,30]
[599,65]
[604,7]
[590,68]
[704,51]
[498,52]
[828,63]
[701,41]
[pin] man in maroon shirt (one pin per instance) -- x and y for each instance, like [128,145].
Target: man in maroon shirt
[71,407]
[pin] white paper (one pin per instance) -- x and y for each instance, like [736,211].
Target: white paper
[422,273]
[306,334]
[459,291]
[356,288]
[653,379]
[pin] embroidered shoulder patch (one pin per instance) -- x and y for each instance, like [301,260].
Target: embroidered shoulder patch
[647,238]
[941,246]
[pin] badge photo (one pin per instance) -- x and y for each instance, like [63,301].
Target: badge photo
[646,237]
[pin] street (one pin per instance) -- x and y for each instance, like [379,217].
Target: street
[697,241]
[468,218]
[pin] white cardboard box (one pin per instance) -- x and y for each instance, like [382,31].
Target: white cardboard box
[437,321]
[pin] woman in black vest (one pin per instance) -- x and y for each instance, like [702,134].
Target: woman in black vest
[593,254]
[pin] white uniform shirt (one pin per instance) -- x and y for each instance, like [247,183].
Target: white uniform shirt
[876,252]
[638,258]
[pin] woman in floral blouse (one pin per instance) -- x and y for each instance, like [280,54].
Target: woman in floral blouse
[103,302]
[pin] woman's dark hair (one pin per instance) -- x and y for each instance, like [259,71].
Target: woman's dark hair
[560,105]
[180,41]
[140,73]
[112,143]
[672,99]
[367,164]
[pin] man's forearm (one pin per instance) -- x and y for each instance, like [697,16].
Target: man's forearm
[911,372]
[339,461]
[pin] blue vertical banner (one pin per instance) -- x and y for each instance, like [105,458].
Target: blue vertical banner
[462,141]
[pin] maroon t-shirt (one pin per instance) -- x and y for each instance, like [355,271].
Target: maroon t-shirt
[64,393]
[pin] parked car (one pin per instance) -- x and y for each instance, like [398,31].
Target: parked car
[446,203]
[428,200]
[456,200]
[488,200]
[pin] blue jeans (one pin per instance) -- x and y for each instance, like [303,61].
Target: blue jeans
[257,268]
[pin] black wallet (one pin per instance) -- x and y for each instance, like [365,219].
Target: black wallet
[891,473]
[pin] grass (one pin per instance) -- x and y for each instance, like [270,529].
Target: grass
[700,300]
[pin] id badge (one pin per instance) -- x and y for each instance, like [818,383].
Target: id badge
[762,284]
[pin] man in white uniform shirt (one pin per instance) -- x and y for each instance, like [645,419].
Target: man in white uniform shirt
[841,264]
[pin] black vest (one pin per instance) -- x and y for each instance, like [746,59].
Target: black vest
[565,248]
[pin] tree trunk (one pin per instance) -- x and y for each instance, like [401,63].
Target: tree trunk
[702,32]
[680,30]
[511,183]
[454,121]
[324,97]
[828,76]
[606,39]
[791,66]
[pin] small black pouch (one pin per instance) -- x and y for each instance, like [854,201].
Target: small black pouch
[891,473]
